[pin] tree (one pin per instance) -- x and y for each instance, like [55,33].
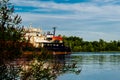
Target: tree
[102,45]
[11,32]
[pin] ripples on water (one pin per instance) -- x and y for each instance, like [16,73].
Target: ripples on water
[95,66]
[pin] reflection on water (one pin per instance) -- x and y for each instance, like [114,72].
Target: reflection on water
[63,65]
[77,66]
[95,66]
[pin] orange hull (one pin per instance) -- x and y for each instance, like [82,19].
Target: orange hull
[58,53]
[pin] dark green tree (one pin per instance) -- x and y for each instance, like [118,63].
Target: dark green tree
[77,44]
[11,32]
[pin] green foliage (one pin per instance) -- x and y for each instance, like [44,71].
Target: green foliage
[9,23]
[11,33]
[78,45]
[38,71]
[9,72]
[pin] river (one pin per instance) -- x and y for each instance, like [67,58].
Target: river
[94,66]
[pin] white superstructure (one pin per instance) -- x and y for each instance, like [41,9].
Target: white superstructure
[35,36]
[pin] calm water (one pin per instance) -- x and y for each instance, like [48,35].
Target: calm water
[94,66]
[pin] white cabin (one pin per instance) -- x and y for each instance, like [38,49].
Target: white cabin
[35,36]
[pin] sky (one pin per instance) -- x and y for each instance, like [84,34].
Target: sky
[89,19]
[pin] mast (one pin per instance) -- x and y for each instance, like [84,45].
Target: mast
[54,29]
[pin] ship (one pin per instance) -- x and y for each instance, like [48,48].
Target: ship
[49,41]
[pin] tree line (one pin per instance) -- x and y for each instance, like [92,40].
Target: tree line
[77,44]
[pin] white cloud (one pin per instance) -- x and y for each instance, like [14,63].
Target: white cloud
[77,8]
[106,1]
[92,35]
[99,21]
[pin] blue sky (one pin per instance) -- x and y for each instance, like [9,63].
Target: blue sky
[89,19]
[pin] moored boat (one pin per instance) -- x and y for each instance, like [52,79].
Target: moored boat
[48,40]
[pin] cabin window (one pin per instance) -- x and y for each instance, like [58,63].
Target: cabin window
[37,35]
[49,39]
[56,41]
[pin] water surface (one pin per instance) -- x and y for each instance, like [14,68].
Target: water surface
[94,66]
